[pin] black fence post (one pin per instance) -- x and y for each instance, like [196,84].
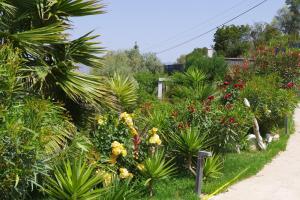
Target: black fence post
[199,176]
[286,124]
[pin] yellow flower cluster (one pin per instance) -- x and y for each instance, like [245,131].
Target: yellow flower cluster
[141,167]
[101,120]
[117,150]
[124,173]
[128,120]
[154,137]
[107,177]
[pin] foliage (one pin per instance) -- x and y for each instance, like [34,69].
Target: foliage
[188,142]
[33,132]
[232,41]
[39,29]
[120,190]
[231,123]
[125,89]
[214,68]
[269,102]
[129,62]
[288,18]
[284,62]
[213,167]
[74,180]
[190,85]
[263,33]
[156,168]
[147,85]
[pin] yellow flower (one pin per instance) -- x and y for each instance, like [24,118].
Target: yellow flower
[117,151]
[129,121]
[101,119]
[154,130]
[154,139]
[133,131]
[116,144]
[125,174]
[113,159]
[123,115]
[124,152]
[141,167]
[107,178]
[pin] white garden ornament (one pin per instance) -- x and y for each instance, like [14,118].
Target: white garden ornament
[259,139]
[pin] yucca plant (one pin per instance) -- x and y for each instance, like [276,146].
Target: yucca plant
[125,89]
[187,144]
[155,168]
[74,181]
[121,190]
[212,167]
[191,84]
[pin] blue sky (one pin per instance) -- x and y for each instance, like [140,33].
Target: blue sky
[160,24]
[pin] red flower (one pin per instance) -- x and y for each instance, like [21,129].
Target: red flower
[180,125]
[174,114]
[229,106]
[191,108]
[211,98]
[238,86]
[227,96]
[231,120]
[290,85]
[226,83]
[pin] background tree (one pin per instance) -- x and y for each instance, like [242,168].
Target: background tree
[232,41]
[262,33]
[129,62]
[288,18]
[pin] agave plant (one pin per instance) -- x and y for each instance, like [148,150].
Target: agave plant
[74,181]
[156,168]
[125,89]
[38,28]
[188,142]
[212,167]
[191,84]
[120,190]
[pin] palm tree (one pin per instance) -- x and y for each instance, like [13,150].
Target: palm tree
[39,28]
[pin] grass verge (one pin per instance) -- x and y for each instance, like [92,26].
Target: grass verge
[182,187]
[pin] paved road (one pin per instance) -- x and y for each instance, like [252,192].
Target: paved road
[279,180]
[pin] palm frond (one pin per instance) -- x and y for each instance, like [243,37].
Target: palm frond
[86,88]
[84,51]
[41,36]
[76,8]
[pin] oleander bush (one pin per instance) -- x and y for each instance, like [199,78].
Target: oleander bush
[270,100]
[283,61]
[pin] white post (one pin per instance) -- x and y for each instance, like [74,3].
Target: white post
[160,89]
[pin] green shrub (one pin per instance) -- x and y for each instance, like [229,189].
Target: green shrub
[269,102]
[214,68]
[147,85]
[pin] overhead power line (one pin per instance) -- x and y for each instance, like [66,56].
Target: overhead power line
[176,36]
[213,29]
